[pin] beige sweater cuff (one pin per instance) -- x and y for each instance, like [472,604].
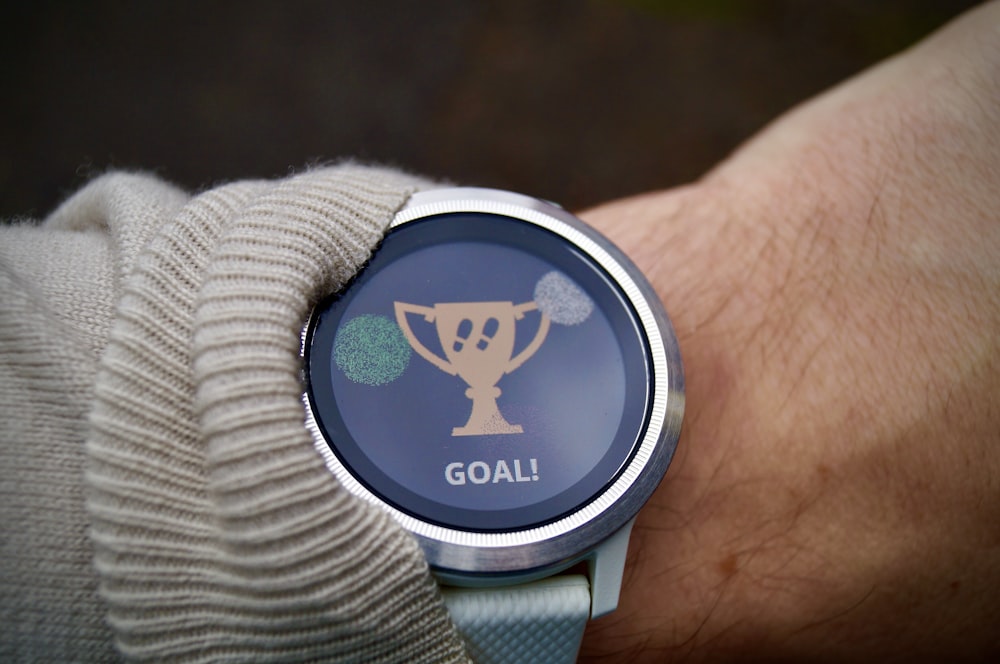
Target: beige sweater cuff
[218,533]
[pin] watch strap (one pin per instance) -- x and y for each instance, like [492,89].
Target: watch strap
[542,621]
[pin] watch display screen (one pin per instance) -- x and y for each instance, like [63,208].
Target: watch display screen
[481,373]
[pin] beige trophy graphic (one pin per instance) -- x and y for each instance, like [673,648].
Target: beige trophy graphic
[478,343]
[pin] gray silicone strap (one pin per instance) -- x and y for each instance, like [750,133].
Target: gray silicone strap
[540,622]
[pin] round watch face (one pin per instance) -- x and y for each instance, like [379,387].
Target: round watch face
[495,371]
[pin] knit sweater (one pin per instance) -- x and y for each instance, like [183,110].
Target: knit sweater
[160,496]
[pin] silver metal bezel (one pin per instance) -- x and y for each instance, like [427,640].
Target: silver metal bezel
[458,554]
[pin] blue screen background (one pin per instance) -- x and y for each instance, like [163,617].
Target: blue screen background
[568,397]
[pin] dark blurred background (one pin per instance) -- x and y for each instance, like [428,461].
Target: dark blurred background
[572,100]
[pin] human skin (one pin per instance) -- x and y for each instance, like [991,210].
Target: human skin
[835,288]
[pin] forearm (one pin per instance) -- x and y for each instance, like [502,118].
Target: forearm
[835,291]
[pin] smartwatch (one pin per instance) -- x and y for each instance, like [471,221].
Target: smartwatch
[505,383]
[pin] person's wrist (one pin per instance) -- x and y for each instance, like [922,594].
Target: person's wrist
[793,509]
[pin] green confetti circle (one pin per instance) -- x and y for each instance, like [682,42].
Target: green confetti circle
[371,350]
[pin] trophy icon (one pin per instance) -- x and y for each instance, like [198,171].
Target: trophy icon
[478,342]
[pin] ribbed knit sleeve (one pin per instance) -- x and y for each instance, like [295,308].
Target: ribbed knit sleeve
[217,532]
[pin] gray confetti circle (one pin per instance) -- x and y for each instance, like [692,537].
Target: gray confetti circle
[562,300]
